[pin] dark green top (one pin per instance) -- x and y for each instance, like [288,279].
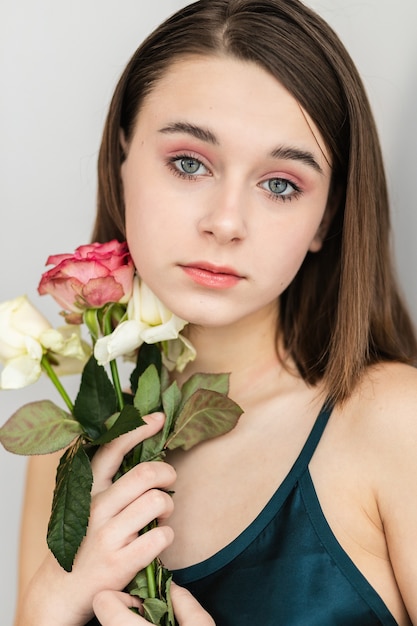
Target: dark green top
[287,568]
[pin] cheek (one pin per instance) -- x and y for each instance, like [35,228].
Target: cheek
[284,255]
[151,236]
[137,235]
[139,241]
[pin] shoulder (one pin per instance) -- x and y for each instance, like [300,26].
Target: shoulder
[379,425]
[382,414]
[387,397]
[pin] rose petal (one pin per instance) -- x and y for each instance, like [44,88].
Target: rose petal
[99,291]
[163,332]
[149,309]
[65,291]
[65,341]
[20,372]
[178,353]
[19,319]
[125,338]
[68,366]
[33,348]
[93,276]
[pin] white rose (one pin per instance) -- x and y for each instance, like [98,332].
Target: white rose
[177,353]
[20,349]
[148,321]
[66,342]
[22,332]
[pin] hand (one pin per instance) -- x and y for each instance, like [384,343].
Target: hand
[112,609]
[112,552]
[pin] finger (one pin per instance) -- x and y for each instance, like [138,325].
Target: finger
[145,548]
[152,475]
[187,610]
[109,457]
[121,529]
[153,505]
[113,608]
[115,566]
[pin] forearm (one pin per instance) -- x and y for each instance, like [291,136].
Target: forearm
[53,596]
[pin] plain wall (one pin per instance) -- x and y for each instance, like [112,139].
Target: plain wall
[58,66]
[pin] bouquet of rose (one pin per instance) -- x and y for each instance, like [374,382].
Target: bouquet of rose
[97,286]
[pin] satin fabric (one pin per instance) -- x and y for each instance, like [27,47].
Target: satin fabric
[287,568]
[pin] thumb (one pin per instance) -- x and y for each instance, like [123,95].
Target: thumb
[187,610]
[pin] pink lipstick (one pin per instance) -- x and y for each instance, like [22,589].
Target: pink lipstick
[213,276]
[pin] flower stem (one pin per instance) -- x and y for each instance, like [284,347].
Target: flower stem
[150,579]
[116,382]
[108,328]
[54,378]
[151,569]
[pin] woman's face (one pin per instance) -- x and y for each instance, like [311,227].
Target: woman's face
[226,182]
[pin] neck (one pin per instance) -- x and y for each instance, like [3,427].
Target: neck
[247,350]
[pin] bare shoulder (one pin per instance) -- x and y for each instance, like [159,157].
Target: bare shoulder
[378,424]
[386,400]
[381,427]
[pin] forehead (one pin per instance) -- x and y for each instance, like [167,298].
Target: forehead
[233,95]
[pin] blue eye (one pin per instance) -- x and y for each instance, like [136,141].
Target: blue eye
[188,166]
[278,185]
[280,188]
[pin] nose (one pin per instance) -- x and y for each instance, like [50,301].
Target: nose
[225,215]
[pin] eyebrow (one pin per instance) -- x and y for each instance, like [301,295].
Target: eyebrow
[204,134]
[294,154]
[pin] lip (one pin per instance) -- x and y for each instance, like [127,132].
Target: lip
[213,276]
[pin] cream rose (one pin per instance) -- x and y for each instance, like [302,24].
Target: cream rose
[148,321]
[25,336]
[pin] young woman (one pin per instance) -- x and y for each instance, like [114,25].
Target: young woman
[240,162]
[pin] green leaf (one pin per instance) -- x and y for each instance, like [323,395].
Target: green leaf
[149,354]
[128,420]
[165,377]
[70,506]
[39,428]
[205,415]
[139,585]
[171,617]
[96,400]
[154,610]
[152,449]
[171,400]
[148,394]
[213,382]
[159,611]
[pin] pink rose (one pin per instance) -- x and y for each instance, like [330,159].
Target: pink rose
[94,275]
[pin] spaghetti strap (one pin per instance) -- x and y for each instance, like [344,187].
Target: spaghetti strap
[312,442]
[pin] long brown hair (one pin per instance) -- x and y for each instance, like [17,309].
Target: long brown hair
[343,311]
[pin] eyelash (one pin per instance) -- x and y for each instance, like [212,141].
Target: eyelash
[177,172]
[296,191]
[193,177]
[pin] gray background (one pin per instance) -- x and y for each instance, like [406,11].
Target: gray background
[59,62]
